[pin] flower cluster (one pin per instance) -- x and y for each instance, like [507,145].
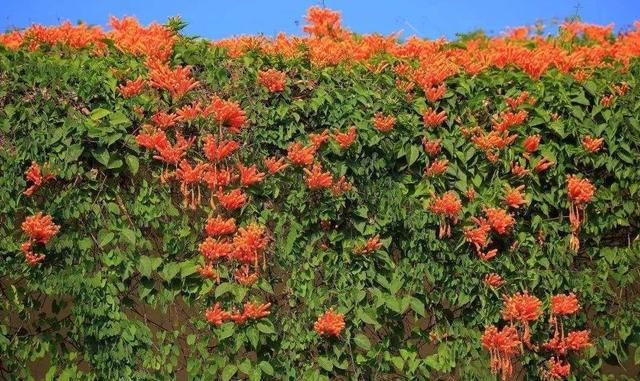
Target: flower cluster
[40,229]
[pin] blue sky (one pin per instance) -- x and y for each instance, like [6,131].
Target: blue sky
[428,18]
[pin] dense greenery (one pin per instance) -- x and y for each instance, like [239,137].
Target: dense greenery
[119,295]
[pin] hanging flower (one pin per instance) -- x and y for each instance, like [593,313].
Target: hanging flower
[227,114]
[216,151]
[300,155]
[232,200]
[345,140]
[432,119]
[275,165]
[272,79]
[592,145]
[580,192]
[502,345]
[501,221]
[248,244]
[523,308]
[244,276]
[164,120]
[341,186]
[316,179]
[556,369]
[37,179]
[219,225]
[319,139]
[329,323]
[40,228]
[564,304]
[447,206]
[513,197]
[213,248]
[383,123]
[131,87]
[249,175]
[493,280]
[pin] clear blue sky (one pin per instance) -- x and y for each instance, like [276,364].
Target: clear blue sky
[428,18]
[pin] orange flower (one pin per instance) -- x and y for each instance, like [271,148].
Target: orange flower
[40,228]
[370,246]
[164,120]
[244,276]
[447,205]
[557,369]
[543,165]
[503,345]
[524,308]
[216,315]
[227,114]
[577,340]
[319,139]
[507,119]
[500,221]
[151,138]
[213,249]
[252,311]
[470,193]
[607,100]
[177,82]
[434,93]
[383,123]
[431,147]
[621,89]
[437,167]
[517,101]
[172,154]
[478,236]
[432,118]
[341,186]
[232,200]
[564,304]
[345,140]
[220,226]
[216,178]
[300,155]
[316,179]
[592,145]
[518,170]
[189,112]
[272,79]
[249,175]
[493,280]
[34,175]
[248,242]
[275,165]
[30,257]
[208,272]
[217,151]
[531,143]
[323,22]
[131,87]
[513,197]
[579,190]
[488,255]
[329,323]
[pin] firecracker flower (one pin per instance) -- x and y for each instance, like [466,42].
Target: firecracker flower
[507,119]
[523,308]
[190,112]
[329,323]
[300,155]
[164,120]
[341,186]
[231,200]
[501,221]
[131,87]
[249,175]
[383,123]
[579,190]
[513,197]
[564,304]
[431,147]
[216,150]
[217,226]
[245,276]
[208,272]
[218,177]
[275,165]
[177,81]
[345,139]
[447,206]
[370,246]
[502,345]
[592,145]
[316,178]
[556,369]
[433,119]
[30,257]
[485,256]
[319,139]
[542,165]
[213,248]
[518,170]
[438,167]
[493,280]
[227,114]
[478,236]
[272,79]
[248,243]
[531,143]
[35,176]
[216,315]
[434,93]
[40,228]
[172,154]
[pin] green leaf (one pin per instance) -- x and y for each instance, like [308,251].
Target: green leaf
[99,113]
[267,368]
[362,341]
[147,265]
[265,326]
[132,163]
[325,363]
[228,372]
[105,237]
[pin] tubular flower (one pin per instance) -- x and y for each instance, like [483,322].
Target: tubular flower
[172,154]
[188,176]
[232,200]
[189,112]
[447,206]
[219,225]
[40,228]
[607,100]
[383,123]
[227,114]
[502,345]
[564,304]
[523,308]
[151,138]
[438,167]
[275,165]
[543,165]
[177,82]
[213,249]
[488,255]
[434,93]
[580,192]
[300,155]
[513,197]
[216,150]
[248,243]
[272,79]
[30,257]
[517,101]
[323,22]
[530,144]
[131,87]
[470,193]
[556,369]
[249,175]
[518,170]
[216,315]
[478,236]
[208,272]
[370,246]
[329,323]
[252,311]
[164,120]
[341,186]
[431,147]
[319,139]
[217,177]
[500,221]
[577,340]
[507,119]
[433,119]
[35,177]
[621,89]
[244,276]
[493,280]
[345,139]
[592,145]
[316,179]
